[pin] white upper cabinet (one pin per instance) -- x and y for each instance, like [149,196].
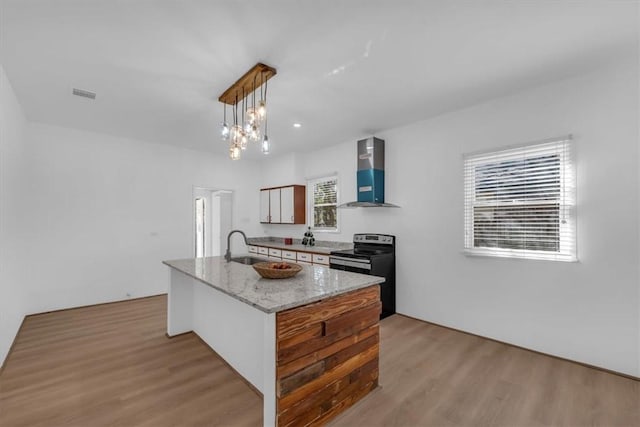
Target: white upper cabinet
[274,203]
[286,205]
[264,206]
[283,205]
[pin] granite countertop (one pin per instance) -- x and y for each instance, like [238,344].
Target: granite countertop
[321,247]
[242,282]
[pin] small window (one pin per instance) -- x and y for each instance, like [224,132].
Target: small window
[520,202]
[323,200]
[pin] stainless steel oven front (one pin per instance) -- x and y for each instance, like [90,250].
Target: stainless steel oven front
[356,265]
[372,254]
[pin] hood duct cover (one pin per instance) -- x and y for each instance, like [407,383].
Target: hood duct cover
[370,175]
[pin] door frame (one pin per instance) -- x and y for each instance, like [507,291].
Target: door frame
[211,190]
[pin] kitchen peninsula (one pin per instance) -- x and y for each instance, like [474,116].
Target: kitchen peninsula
[309,344]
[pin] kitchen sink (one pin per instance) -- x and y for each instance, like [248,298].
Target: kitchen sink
[248,260]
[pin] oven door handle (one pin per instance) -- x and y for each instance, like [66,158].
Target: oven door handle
[350,262]
[358,260]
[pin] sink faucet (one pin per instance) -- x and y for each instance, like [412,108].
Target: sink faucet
[227,254]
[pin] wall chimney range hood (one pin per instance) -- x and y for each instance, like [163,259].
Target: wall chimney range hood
[370,176]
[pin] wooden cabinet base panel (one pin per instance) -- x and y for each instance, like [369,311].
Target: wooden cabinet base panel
[327,357]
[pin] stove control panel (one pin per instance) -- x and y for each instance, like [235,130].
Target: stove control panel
[378,239]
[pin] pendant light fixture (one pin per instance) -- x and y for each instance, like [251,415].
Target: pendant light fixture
[266,144]
[247,127]
[224,130]
[262,105]
[235,134]
[243,132]
[253,122]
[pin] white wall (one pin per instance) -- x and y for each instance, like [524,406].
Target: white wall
[282,170]
[227,219]
[287,169]
[586,311]
[297,168]
[12,123]
[100,213]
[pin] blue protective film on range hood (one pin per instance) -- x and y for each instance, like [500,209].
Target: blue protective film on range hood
[370,176]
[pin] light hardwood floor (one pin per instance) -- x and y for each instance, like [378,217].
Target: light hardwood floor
[113,365]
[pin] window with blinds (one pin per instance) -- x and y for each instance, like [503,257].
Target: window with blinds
[323,196]
[520,201]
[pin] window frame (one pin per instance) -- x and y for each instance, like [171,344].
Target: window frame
[311,205]
[567,200]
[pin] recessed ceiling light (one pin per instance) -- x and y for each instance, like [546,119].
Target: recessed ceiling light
[297,125]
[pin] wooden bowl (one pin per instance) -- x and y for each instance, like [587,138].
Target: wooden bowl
[266,270]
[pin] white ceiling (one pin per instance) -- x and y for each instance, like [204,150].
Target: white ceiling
[346,69]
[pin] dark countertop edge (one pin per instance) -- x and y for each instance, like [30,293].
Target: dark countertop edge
[277,309]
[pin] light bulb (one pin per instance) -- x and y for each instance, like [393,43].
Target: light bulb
[235,133]
[262,109]
[252,115]
[266,145]
[224,132]
[234,152]
[244,140]
[254,133]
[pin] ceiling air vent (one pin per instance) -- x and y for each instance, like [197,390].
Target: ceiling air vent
[84,93]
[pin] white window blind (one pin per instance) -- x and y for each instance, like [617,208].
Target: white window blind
[324,203]
[520,202]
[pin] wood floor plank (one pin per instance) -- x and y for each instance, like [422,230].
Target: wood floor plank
[112,365]
[434,376]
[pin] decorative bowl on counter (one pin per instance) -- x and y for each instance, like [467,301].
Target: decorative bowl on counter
[277,270]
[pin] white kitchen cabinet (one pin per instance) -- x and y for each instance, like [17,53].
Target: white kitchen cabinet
[283,205]
[320,259]
[307,258]
[286,205]
[252,249]
[274,206]
[264,206]
[275,253]
[289,255]
[304,257]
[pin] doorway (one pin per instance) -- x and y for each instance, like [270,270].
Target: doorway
[211,220]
